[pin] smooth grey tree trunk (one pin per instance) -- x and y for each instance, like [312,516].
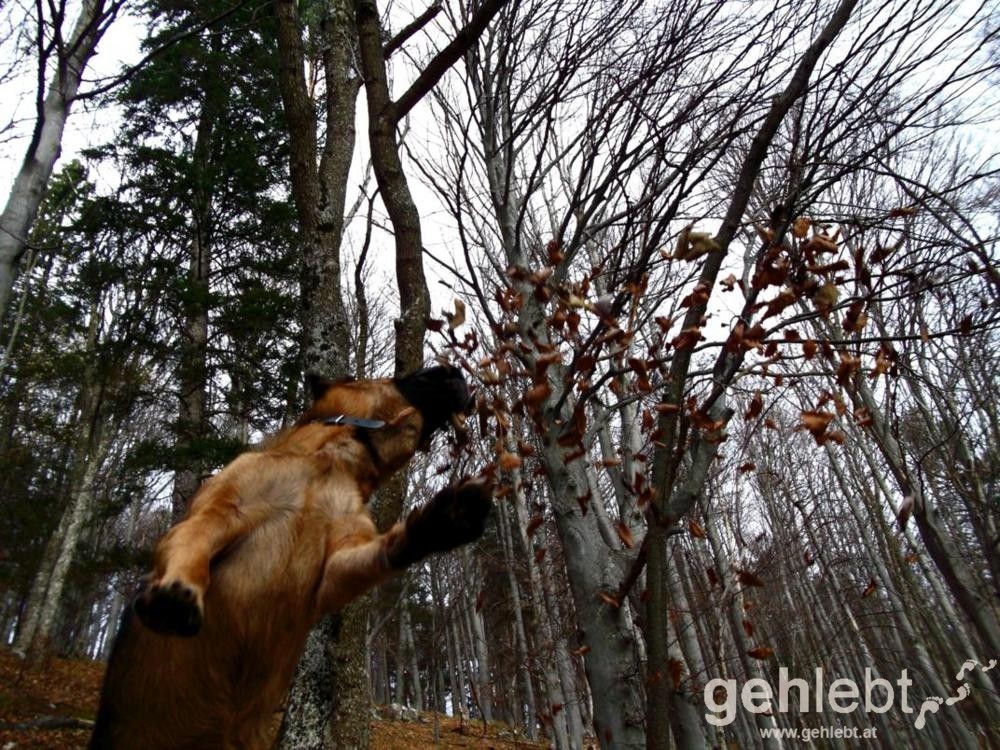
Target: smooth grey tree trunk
[953,566]
[477,633]
[87,455]
[734,611]
[520,633]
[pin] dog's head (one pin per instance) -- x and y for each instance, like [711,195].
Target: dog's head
[410,409]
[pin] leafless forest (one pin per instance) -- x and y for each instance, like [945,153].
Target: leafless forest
[724,274]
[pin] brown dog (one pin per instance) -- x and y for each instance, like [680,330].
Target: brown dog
[277,539]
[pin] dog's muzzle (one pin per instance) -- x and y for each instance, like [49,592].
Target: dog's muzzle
[442,396]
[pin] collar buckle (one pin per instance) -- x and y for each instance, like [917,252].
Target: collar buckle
[343,419]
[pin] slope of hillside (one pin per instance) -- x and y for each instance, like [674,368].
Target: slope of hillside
[63,691]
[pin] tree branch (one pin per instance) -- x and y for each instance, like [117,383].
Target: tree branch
[410,29]
[159,50]
[443,60]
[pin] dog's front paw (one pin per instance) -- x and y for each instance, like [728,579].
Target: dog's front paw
[456,515]
[453,517]
[171,608]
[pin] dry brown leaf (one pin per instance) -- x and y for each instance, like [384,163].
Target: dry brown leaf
[625,534]
[816,421]
[509,461]
[457,318]
[609,599]
[533,523]
[749,579]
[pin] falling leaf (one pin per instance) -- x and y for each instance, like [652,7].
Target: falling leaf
[748,628]
[537,394]
[729,283]
[540,554]
[457,318]
[756,406]
[581,651]
[800,227]
[905,509]
[625,534]
[855,320]
[675,670]
[509,461]
[533,523]
[554,251]
[761,652]
[749,579]
[849,364]
[826,296]
[816,421]
[748,466]
[665,408]
[697,530]
[809,348]
[687,338]
[608,599]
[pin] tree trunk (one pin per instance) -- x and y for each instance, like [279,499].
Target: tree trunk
[192,372]
[89,451]
[32,178]
[671,503]
[530,708]
[948,559]
[477,635]
[319,189]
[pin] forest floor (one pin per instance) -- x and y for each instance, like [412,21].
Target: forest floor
[69,689]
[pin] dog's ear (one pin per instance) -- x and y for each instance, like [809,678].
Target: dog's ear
[317,385]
